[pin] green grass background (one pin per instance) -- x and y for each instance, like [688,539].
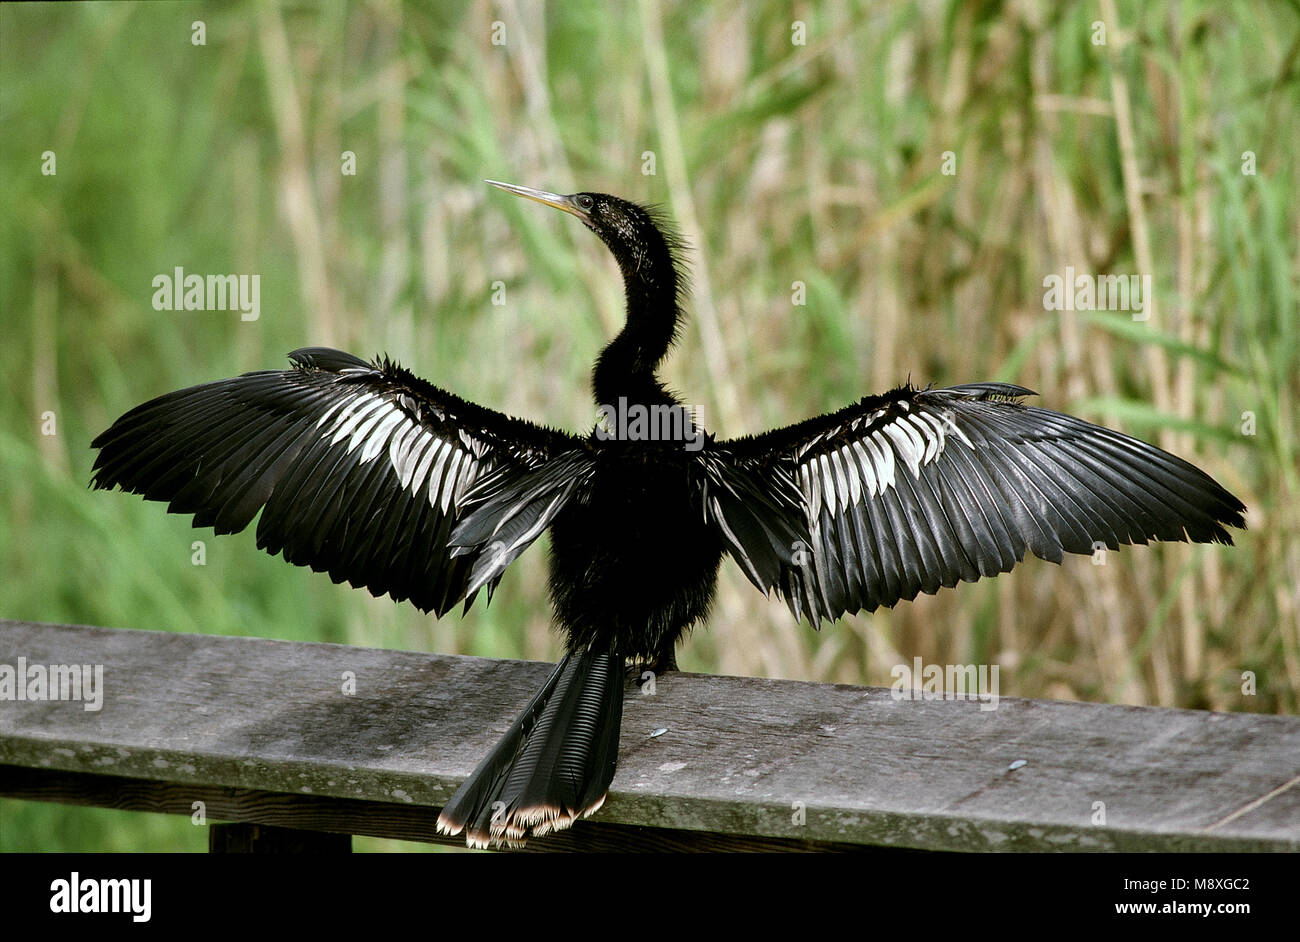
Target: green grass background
[817,162]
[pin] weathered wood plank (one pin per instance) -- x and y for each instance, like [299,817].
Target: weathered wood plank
[371,818]
[739,756]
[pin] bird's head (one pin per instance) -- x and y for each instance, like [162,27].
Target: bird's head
[641,242]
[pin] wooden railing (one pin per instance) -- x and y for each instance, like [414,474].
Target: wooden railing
[328,741]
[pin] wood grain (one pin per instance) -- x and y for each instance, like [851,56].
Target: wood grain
[264,732]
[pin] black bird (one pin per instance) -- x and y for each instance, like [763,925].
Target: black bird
[379,478]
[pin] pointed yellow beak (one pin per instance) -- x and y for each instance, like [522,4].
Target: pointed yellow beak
[565,203]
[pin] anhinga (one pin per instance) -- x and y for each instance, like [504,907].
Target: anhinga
[375,476]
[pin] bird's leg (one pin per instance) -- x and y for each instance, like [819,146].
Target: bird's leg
[664,660]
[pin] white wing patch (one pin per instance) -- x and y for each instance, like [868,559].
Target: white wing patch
[865,465]
[354,412]
[423,462]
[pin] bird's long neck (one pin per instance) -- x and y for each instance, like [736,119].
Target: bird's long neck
[626,368]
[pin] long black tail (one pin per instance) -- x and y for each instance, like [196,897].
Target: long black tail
[554,764]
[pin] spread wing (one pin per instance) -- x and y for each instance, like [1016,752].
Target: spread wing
[361,470]
[917,489]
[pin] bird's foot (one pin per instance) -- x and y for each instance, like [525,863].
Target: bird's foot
[642,670]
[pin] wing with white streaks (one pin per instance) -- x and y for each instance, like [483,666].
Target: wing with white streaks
[360,469]
[918,489]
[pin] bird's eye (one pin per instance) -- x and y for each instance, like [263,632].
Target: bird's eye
[585,202]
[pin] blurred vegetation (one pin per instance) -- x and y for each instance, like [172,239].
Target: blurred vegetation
[817,162]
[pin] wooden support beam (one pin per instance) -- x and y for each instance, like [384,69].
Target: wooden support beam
[269,839]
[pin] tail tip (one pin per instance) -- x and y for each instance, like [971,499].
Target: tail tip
[515,828]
